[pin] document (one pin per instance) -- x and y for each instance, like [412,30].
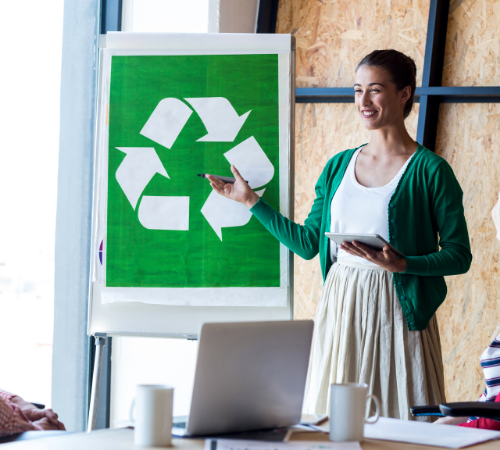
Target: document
[427,433]
[230,444]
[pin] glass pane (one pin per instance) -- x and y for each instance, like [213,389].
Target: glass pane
[150,361]
[332,37]
[29,128]
[172,16]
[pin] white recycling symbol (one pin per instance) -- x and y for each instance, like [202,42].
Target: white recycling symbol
[163,127]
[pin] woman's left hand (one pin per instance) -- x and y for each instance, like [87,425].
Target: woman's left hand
[385,258]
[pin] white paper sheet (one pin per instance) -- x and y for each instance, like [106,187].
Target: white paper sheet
[159,44]
[427,433]
[230,444]
[232,296]
[203,43]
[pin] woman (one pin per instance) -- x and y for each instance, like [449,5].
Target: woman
[375,321]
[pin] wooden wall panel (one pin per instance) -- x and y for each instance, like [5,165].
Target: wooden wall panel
[333,36]
[472,54]
[468,138]
[321,131]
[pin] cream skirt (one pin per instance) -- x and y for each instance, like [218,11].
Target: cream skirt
[361,336]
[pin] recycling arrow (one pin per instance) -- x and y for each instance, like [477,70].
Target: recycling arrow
[222,212]
[252,163]
[167,121]
[219,117]
[163,127]
[255,167]
[164,213]
[133,175]
[136,170]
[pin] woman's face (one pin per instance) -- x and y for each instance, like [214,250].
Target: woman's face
[379,102]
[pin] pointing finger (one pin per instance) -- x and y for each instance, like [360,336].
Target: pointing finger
[237,174]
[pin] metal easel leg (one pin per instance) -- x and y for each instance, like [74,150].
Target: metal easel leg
[96,380]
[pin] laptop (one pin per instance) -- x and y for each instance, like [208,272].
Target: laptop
[249,376]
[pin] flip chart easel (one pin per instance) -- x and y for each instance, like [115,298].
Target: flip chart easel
[133,318]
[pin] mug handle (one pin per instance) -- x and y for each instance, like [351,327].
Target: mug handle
[374,418]
[131,411]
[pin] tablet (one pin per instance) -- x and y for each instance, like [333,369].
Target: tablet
[372,240]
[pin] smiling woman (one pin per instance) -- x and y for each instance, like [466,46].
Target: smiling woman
[375,322]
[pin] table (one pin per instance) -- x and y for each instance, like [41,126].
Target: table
[123,439]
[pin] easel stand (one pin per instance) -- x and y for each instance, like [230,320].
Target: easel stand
[100,342]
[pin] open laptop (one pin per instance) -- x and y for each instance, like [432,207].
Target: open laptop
[249,376]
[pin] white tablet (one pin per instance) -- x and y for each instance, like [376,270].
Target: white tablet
[372,240]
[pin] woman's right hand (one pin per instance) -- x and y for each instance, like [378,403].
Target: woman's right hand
[240,191]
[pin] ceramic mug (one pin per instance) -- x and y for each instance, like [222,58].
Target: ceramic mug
[153,406]
[348,410]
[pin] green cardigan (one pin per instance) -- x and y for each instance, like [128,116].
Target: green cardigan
[427,201]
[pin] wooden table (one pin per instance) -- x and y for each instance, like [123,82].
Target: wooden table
[123,439]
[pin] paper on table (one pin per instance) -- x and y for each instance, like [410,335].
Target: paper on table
[427,433]
[231,444]
[295,429]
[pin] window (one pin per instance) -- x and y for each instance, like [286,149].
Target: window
[172,16]
[28,192]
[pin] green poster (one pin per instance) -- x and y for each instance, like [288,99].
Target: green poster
[171,118]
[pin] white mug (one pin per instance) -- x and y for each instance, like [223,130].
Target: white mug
[348,411]
[153,410]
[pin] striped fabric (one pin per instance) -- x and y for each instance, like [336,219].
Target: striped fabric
[490,363]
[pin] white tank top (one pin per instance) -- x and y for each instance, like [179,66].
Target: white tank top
[358,209]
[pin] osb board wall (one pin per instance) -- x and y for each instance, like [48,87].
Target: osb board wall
[472,55]
[321,131]
[334,35]
[468,137]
